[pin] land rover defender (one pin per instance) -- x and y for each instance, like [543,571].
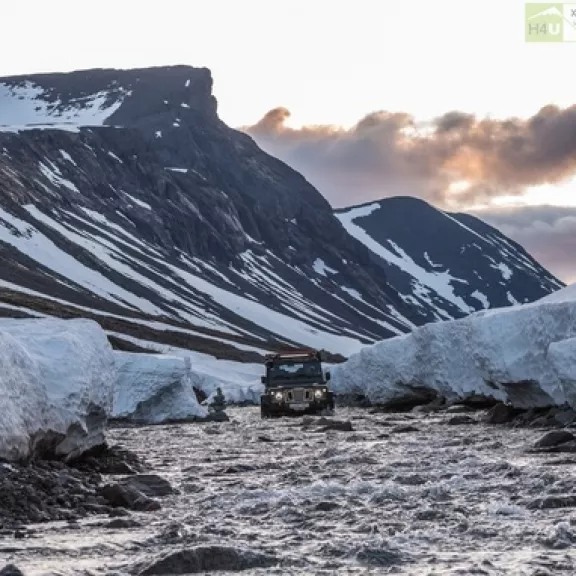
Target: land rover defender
[295,384]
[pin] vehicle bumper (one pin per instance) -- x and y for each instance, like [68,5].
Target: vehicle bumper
[285,409]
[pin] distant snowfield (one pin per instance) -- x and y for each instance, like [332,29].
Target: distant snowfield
[26,107]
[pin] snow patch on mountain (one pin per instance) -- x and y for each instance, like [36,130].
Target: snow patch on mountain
[438,281]
[321,268]
[140,203]
[481,298]
[37,246]
[28,105]
[55,177]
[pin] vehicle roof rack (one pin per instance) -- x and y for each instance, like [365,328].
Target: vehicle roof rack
[294,353]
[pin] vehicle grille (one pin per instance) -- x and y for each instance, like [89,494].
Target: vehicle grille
[298,394]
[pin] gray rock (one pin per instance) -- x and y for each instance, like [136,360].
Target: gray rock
[122,523]
[555,438]
[404,429]
[214,417]
[568,447]
[461,419]
[118,495]
[11,570]
[326,506]
[548,502]
[565,417]
[208,559]
[325,424]
[150,485]
[501,414]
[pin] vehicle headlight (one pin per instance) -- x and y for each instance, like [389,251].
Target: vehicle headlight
[319,393]
[278,395]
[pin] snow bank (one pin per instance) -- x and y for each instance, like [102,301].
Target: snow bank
[56,382]
[154,388]
[239,381]
[563,357]
[499,353]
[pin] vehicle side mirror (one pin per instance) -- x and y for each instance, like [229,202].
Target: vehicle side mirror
[263,379]
[327,376]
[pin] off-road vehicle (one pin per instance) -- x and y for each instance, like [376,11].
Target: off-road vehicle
[295,384]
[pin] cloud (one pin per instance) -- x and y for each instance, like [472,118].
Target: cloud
[546,232]
[454,160]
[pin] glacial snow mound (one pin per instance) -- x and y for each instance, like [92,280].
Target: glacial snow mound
[563,357]
[56,383]
[154,388]
[510,354]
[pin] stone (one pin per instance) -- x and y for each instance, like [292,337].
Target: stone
[501,414]
[118,495]
[150,485]
[554,438]
[205,559]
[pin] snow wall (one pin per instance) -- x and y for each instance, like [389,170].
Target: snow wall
[56,384]
[522,355]
[154,388]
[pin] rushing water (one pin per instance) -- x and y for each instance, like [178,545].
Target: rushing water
[430,499]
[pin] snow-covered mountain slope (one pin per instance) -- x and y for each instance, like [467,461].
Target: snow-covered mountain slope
[522,355]
[454,264]
[124,198]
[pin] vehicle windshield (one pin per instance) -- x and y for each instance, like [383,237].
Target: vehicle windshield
[290,370]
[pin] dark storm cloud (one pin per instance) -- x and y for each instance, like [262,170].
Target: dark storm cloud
[387,154]
[546,232]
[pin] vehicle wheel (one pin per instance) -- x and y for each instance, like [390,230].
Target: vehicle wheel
[331,402]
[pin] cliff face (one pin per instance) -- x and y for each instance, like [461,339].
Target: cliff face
[121,191]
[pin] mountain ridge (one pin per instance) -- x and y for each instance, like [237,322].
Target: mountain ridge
[160,209]
[459,247]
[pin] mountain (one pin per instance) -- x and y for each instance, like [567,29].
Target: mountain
[454,264]
[124,198]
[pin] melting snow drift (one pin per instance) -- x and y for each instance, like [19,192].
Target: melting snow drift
[523,355]
[56,376]
[154,388]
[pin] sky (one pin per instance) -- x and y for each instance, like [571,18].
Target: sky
[444,100]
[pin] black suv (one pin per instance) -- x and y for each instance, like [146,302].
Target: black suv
[295,385]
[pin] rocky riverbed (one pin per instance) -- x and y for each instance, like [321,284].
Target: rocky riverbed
[414,493]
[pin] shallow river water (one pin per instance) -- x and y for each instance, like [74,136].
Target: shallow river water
[401,494]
